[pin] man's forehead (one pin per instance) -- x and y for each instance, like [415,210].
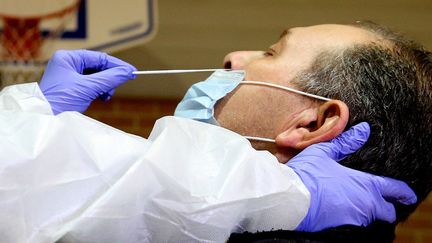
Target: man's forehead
[332,33]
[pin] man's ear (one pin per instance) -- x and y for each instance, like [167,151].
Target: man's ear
[315,125]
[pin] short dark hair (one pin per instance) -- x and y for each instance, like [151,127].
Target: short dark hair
[388,84]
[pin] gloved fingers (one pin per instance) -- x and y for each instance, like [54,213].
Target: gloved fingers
[348,142]
[99,60]
[115,62]
[107,96]
[385,212]
[86,59]
[109,79]
[396,191]
[64,59]
[339,147]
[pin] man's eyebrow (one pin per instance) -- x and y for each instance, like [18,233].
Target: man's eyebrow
[286,32]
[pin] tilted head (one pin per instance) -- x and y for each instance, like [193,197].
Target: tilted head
[377,75]
[387,83]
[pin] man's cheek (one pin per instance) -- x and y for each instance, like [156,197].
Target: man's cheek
[223,104]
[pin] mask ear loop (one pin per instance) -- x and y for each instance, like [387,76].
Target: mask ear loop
[284,88]
[260,139]
[287,89]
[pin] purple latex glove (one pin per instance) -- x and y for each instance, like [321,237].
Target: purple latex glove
[66,87]
[343,196]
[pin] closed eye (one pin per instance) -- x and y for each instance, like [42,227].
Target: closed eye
[270,52]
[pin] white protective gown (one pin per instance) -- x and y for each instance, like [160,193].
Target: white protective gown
[73,179]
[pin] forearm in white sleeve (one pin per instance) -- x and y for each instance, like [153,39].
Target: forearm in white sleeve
[196,183]
[72,178]
[53,168]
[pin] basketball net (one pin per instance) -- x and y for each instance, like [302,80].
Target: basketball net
[24,48]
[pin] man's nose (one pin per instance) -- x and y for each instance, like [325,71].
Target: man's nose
[239,59]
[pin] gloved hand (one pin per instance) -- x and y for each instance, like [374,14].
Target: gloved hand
[340,195]
[67,88]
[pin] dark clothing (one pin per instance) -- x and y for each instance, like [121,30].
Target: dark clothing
[378,232]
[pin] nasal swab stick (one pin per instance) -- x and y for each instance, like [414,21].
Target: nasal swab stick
[177,71]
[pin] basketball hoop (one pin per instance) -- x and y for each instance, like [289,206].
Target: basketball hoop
[22,42]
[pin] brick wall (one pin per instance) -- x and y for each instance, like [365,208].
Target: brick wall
[137,116]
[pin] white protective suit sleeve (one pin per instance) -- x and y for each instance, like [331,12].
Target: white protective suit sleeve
[74,179]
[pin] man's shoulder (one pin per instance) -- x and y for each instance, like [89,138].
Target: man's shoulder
[379,232]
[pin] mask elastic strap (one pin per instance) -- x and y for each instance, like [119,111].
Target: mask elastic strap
[284,88]
[261,139]
[287,89]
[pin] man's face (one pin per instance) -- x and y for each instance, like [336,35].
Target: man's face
[262,111]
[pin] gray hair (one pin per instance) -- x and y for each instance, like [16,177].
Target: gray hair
[390,88]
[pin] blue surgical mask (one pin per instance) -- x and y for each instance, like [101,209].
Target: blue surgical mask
[200,99]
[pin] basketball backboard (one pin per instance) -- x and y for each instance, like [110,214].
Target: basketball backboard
[110,25]
[32,30]
[106,25]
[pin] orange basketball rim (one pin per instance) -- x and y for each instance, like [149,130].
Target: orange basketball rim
[21,38]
